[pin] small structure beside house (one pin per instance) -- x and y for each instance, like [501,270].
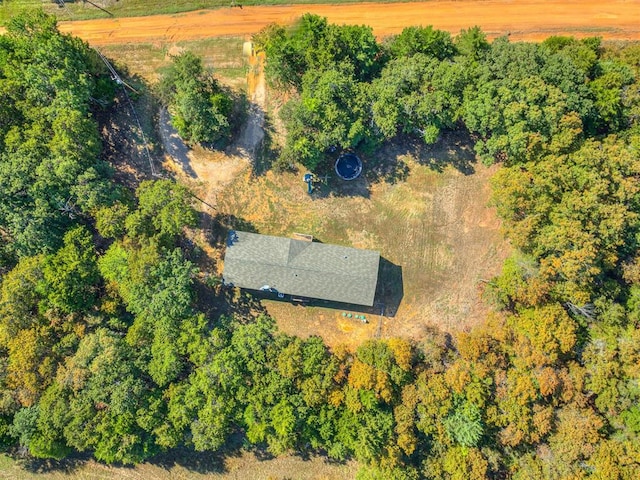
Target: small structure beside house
[301,268]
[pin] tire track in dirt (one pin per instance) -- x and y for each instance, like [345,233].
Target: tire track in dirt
[522,20]
[207,171]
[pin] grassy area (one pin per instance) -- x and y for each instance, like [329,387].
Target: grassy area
[223,55]
[79,10]
[10,8]
[424,209]
[190,466]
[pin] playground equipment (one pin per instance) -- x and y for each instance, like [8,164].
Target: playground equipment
[348,166]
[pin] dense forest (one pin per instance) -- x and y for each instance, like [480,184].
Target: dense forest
[103,346]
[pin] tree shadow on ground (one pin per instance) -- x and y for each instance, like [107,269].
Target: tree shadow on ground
[226,222]
[383,169]
[130,152]
[266,154]
[248,128]
[204,463]
[328,184]
[66,466]
[454,149]
[214,299]
[173,144]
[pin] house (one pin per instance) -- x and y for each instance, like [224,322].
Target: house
[301,268]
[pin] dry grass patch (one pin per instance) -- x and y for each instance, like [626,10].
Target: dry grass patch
[149,60]
[435,225]
[245,466]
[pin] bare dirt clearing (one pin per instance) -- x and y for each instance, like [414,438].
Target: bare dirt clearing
[523,20]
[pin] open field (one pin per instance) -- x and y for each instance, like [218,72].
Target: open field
[194,467]
[528,20]
[78,9]
[433,228]
[429,220]
[149,60]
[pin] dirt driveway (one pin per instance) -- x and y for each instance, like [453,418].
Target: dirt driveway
[522,20]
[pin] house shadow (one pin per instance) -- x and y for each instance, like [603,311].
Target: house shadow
[390,288]
[388,296]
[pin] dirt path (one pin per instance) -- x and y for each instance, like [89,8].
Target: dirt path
[523,20]
[252,133]
[209,171]
[216,169]
[173,145]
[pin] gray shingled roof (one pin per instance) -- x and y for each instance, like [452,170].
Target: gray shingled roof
[300,268]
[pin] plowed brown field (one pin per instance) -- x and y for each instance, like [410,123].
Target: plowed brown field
[523,20]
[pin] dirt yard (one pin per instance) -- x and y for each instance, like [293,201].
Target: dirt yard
[424,210]
[522,20]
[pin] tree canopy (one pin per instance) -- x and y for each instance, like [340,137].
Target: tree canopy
[108,346]
[521,101]
[50,173]
[200,108]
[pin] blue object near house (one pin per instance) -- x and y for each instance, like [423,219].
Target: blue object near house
[308,178]
[348,166]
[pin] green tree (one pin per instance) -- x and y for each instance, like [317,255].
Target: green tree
[71,274]
[313,44]
[575,213]
[49,144]
[110,221]
[105,395]
[424,40]
[199,106]
[464,425]
[164,210]
[158,290]
[608,89]
[472,43]
[331,112]
[418,95]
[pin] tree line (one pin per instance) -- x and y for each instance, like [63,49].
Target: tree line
[104,348]
[520,101]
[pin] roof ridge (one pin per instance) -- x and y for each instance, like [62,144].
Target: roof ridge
[302,269]
[292,253]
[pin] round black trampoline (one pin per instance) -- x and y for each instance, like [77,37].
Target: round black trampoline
[348,166]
